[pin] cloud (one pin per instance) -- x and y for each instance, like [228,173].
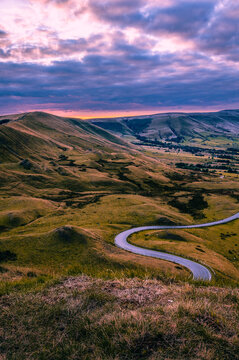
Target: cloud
[118,54]
[55,2]
[115,83]
[56,48]
[3,34]
[183,17]
[221,37]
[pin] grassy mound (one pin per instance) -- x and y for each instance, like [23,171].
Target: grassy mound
[69,234]
[20,210]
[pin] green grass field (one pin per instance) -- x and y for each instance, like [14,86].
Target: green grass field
[67,189]
[34,235]
[71,175]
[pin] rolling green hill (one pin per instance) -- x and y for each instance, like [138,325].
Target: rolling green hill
[40,150]
[32,134]
[61,176]
[61,173]
[67,188]
[42,153]
[178,127]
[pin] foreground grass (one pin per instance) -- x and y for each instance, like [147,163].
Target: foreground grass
[82,318]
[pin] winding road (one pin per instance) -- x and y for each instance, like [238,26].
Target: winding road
[199,271]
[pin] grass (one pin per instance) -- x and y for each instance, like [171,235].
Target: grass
[41,249]
[82,318]
[83,177]
[40,246]
[28,222]
[192,248]
[215,246]
[19,211]
[66,291]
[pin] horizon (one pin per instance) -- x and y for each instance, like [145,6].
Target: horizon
[116,116]
[114,58]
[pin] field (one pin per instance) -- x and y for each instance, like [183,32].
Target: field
[64,196]
[60,211]
[52,239]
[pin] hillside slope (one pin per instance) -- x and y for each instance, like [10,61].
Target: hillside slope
[42,152]
[63,180]
[175,126]
[31,133]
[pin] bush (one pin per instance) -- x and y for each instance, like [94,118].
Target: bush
[7,256]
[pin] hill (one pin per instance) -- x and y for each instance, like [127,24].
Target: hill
[41,152]
[67,188]
[179,127]
[28,135]
[63,173]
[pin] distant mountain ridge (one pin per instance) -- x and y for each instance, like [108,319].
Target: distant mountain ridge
[173,126]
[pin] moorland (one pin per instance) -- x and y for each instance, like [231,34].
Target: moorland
[68,187]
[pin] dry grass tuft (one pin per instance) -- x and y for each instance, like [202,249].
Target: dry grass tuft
[85,318]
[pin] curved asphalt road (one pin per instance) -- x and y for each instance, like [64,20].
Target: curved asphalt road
[200,272]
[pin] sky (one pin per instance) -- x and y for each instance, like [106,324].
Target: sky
[91,58]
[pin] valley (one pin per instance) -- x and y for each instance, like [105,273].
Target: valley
[68,188]
[65,178]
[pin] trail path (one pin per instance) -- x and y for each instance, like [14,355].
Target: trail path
[199,271]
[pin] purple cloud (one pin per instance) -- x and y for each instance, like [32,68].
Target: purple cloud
[3,34]
[119,55]
[184,17]
[115,83]
[221,37]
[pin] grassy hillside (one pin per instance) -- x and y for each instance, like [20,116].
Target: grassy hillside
[64,178]
[219,128]
[58,174]
[67,188]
